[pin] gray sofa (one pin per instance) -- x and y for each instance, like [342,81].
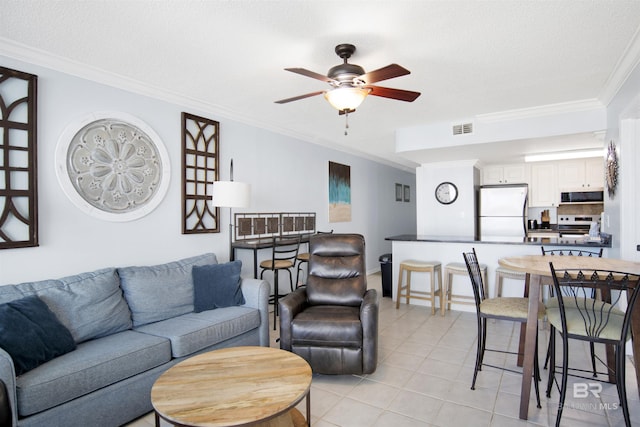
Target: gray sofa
[129,325]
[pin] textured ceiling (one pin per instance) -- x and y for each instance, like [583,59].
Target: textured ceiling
[227,57]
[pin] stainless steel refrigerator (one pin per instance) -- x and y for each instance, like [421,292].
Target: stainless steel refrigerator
[503,210]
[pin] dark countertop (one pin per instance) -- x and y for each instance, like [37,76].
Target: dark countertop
[555,241]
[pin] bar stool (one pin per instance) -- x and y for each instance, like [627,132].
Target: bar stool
[504,273]
[459,268]
[302,258]
[430,267]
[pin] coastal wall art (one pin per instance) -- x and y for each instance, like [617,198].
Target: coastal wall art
[339,192]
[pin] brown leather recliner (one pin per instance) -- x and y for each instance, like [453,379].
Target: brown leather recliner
[333,322]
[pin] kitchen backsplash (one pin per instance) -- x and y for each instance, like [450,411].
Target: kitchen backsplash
[594,209]
[577,209]
[535,213]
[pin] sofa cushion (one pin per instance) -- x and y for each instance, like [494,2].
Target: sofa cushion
[31,333]
[217,286]
[93,365]
[90,304]
[162,291]
[193,332]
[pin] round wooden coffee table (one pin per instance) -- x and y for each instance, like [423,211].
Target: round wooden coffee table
[237,386]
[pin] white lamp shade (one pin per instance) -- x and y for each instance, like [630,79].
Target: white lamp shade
[231,194]
[346,98]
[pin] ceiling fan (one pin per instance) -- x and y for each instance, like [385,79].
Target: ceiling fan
[350,85]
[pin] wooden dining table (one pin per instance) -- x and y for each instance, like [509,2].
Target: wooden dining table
[536,267]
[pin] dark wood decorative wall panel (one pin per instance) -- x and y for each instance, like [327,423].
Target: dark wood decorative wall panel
[252,226]
[200,157]
[18,159]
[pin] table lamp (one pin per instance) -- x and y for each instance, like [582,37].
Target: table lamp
[231,194]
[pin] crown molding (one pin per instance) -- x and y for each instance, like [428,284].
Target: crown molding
[449,164]
[542,110]
[624,67]
[45,59]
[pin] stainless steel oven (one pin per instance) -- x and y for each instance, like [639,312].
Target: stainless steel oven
[575,225]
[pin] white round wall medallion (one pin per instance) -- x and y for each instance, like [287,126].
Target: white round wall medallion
[112,166]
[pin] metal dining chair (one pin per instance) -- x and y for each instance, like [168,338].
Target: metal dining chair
[513,309]
[578,316]
[571,252]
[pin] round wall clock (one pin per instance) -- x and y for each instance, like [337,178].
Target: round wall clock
[611,169]
[446,193]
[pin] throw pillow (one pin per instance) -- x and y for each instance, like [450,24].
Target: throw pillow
[32,334]
[159,292]
[217,286]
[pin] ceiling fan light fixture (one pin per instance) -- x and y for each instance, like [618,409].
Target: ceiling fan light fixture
[346,98]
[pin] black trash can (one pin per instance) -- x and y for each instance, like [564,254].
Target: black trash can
[385,269]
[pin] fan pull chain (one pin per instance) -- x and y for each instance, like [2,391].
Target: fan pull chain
[346,122]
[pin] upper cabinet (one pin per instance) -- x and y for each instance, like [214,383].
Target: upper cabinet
[504,174]
[543,185]
[547,179]
[594,172]
[581,174]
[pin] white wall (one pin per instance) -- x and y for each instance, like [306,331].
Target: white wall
[286,174]
[623,106]
[456,219]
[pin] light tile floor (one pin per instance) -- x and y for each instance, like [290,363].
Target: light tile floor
[424,375]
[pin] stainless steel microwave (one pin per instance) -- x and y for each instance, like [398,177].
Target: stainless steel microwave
[581,196]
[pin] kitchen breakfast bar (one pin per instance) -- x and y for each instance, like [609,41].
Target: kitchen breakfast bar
[448,249]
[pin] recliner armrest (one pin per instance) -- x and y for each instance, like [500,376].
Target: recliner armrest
[290,306]
[369,302]
[369,320]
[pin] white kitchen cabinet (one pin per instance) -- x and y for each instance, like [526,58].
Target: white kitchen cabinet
[580,174]
[570,174]
[594,172]
[504,174]
[543,185]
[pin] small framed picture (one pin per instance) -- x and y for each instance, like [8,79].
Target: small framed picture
[407,193]
[398,192]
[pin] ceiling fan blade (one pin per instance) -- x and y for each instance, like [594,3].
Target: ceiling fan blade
[384,73]
[311,74]
[295,98]
[399,94]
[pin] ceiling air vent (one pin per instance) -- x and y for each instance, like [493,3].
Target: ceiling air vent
[463,129]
